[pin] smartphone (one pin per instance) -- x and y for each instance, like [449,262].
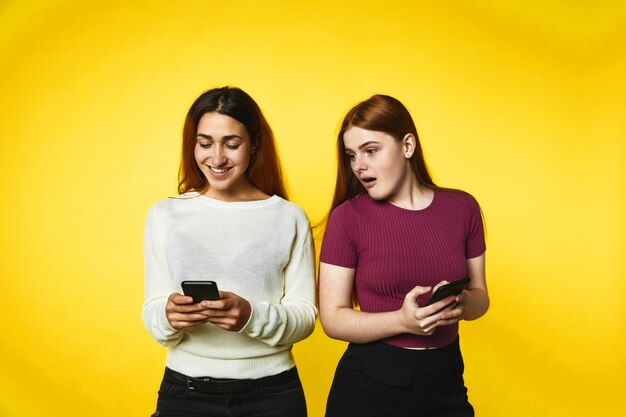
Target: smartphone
[451,288]
[201,290]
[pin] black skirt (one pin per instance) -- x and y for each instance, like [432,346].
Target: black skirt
[381,380]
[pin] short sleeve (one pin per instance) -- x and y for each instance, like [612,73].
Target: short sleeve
[475,241]
[339,243]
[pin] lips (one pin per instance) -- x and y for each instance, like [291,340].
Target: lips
[368,182]
[218,172]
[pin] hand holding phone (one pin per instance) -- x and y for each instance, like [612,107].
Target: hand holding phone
[451,288]
[201,290]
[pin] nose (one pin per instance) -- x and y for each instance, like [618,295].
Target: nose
[358,165]
[218,158]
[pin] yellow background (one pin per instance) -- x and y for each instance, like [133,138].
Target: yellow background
[521,103]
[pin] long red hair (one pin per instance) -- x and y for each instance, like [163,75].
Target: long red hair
[264,170]
[379,113]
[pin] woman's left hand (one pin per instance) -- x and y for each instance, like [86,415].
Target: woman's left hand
[454,314]
[231,312]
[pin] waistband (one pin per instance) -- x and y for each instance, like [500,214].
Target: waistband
[402,355]
[218,385]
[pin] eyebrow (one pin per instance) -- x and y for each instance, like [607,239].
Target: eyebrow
[365,145]
[228,137]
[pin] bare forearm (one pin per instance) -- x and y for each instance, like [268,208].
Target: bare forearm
[341,321]
[476,304]
[360,327]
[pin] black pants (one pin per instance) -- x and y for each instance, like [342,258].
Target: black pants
[276,396]
[380,380]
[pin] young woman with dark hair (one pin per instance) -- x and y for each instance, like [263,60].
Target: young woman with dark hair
[230,224]
[392,238]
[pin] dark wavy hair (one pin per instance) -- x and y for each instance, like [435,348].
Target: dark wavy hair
[264,170]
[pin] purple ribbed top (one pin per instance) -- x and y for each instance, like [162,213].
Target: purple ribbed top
[393,250]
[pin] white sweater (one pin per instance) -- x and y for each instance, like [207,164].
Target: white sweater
[259,250]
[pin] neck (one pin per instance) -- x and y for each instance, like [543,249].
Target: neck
[244,192]
[412,196]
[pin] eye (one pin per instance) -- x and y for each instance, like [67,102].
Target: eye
[351,156]
[371,150]
[233,147]
[204,145]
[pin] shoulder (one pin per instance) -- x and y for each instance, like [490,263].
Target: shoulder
[455,196]
[352,207]
[349,215]
[170,206]
[175,201]
[458,204]
[290,210]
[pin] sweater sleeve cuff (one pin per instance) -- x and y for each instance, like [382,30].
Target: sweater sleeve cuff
[258,319]
[166,328]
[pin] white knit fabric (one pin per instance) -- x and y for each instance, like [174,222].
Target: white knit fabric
[260,250]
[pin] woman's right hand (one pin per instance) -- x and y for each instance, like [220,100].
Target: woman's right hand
[181,312]
[423,321]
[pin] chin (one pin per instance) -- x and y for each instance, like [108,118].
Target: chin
[221,186]
[376,196]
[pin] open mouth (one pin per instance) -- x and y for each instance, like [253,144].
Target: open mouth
[219,171]
[368,181]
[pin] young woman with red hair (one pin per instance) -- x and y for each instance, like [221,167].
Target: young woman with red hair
[230,224]
[392,237]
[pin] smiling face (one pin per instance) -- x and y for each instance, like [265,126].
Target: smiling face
[380,162]
[222,152]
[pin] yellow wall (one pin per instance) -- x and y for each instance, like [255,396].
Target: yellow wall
[521,104]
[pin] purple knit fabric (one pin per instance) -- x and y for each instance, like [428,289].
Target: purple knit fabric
[394,249]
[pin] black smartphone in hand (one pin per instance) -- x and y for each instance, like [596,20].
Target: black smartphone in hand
[451,288]
[201,290]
